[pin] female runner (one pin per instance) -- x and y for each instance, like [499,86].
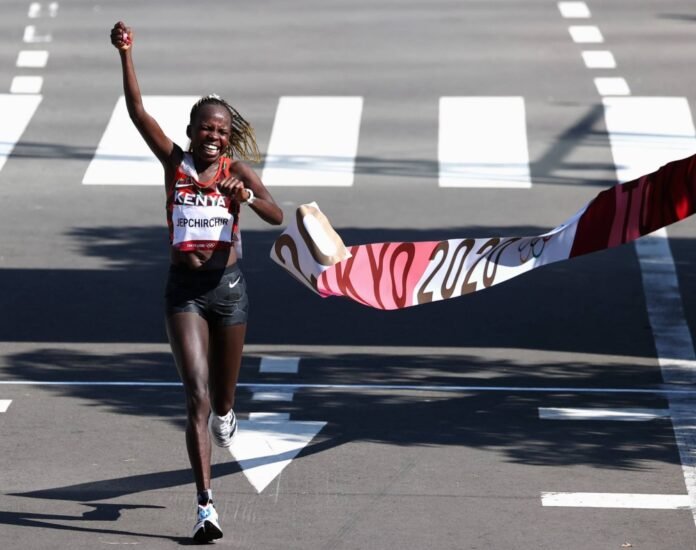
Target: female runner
[206,300]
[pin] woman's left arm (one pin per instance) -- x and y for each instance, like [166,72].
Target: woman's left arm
[245,186]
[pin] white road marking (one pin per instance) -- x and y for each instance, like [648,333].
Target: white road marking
[35,10]
[585,34]
[263,449]
[30,36]
[612,86]
[645,133]
[26,85]
[4,405]
[123,157]
[599,59]
[32,59]
[314,142]
[574,10]
[665,390]
[483,142]
[616,500]
[272,364]
[269,417]
[665,311]
[673,343]
[272,396]
[15,112]
[625,415]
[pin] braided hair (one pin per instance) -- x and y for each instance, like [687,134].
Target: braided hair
[242,138]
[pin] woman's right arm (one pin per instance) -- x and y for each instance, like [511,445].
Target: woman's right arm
[163,147]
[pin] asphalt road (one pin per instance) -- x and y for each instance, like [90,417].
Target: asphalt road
[82,270]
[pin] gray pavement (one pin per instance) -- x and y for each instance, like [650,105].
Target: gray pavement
[98,465]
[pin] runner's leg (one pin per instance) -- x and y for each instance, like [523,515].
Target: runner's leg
[189,339]
[226,343]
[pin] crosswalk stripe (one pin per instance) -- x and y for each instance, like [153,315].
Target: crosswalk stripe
[122,156]
[314,142]
[15,112]
[647,132]
[483,142]
[4,405]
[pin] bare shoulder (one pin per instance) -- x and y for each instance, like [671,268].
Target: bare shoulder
[243,171]
[239,168]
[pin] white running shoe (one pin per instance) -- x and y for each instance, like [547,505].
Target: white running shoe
[207,528]
[222,428]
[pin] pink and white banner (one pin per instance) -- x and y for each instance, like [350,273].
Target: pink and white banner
[403,274]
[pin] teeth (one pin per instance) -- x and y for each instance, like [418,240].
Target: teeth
[212,148]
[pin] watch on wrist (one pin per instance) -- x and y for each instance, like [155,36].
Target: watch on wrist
[251,198]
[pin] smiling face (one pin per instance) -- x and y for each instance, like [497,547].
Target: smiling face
[210,132]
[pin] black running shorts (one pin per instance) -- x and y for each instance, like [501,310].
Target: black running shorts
[219,296]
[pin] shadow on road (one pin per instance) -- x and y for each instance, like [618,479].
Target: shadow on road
[560,307]
[101,512]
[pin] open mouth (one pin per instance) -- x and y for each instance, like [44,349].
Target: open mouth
[211,149]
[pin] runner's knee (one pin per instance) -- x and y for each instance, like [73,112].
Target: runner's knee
[197,403]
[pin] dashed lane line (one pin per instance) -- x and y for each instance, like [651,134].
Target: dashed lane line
[616,500]
[646,133]
[36,10]
[622,415]
[26,85]
[272,396]
[611,85]
[585,34]
[31,37]
[279,365]
[32,59]
[574,10]
[598,59]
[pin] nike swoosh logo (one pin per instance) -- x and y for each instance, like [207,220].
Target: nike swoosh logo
[180,185]
[232,285]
